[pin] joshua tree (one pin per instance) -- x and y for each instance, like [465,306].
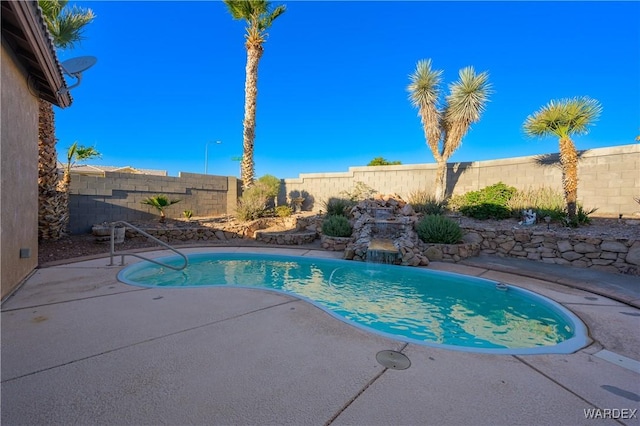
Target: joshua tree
[65,26]
[160,202]
[564,118]
[444,127]
[259,16]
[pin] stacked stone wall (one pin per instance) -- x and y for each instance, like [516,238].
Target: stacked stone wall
[618,255]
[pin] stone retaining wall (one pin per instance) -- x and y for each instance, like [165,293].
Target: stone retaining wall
[602,253]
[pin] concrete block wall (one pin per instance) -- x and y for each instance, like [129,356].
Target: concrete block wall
[118,196]
[609,179]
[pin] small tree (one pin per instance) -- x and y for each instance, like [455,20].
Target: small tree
[445,127]
[160,202]
[271,187]
[563,119]
[380,161]
[76,154]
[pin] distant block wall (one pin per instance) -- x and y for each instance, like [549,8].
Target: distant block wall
[609,179]
[118,196]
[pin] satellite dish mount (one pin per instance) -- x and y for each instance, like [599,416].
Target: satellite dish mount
[74,67]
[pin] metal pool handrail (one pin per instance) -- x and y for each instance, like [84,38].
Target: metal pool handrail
[112,251]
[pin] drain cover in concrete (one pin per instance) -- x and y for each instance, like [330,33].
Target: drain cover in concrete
[393,359]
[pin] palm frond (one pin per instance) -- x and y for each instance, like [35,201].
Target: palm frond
[424,88]
[258,14]
[464,105]
[468,96]
[424,92]
[65,25]
[563,117]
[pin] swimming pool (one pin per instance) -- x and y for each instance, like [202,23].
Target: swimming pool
[415,305]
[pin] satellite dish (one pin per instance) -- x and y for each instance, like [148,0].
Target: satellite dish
[77,65]
[74,67]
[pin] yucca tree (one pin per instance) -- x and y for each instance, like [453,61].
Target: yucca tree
[259,16]
[564,118]
[446,125]
[65,24]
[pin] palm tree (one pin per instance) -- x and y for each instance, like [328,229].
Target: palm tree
[65,26]
[75,154]
[444,127]
[564,118]
[259,15]
[160,202]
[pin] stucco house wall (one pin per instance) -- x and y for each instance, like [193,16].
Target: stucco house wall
[29,71]
[18,174]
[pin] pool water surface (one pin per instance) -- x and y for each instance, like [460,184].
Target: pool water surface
[415,305]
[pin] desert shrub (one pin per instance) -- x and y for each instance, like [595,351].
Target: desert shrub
[582,217]
[253,203]
[425,202]
[548,202]
[338,206]
[283,211]
[336,226]
[361,191]
[488,203]
[438,229]
[544,201]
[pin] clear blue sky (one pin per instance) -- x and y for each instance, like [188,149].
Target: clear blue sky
[333,77]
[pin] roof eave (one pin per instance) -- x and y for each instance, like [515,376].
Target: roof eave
[30,19]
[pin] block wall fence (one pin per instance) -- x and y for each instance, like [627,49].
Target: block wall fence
[118,196]
[609,180]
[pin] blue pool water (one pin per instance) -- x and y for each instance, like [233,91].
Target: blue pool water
[409,304]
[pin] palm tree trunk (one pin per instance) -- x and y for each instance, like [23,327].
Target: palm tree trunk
[52,218]
[441,179]
[254,52]
[569,163]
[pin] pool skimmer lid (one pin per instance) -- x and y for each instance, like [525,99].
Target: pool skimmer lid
[394,360]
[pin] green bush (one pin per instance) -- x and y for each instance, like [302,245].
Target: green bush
[425,202]
[336,226]
[488,203]
[283,211]
[438,229]
[338,206]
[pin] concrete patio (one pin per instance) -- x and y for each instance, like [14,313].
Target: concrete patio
[79,347]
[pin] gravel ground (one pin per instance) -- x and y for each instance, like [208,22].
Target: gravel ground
[80,245]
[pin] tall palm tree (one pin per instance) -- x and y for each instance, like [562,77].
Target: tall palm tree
[446,125]
[259,16]
[65,26]
[564,118]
